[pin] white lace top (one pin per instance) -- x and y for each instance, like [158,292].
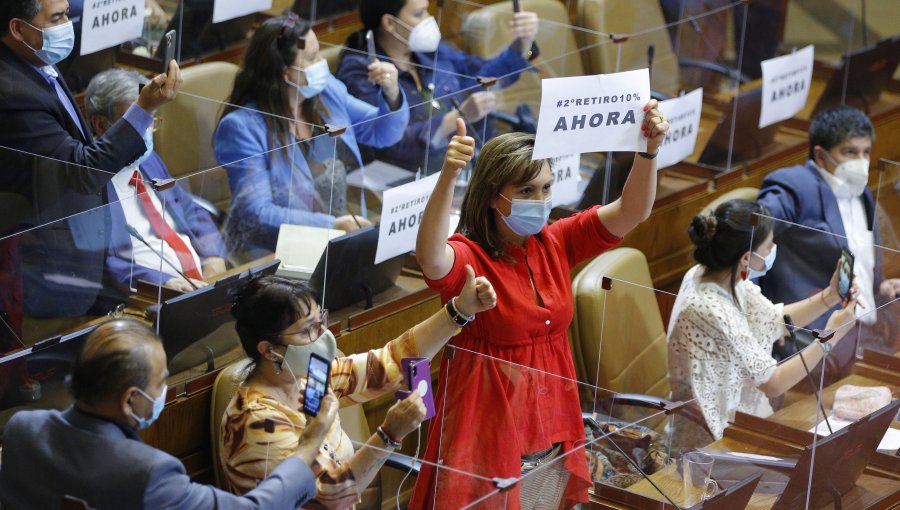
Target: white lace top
[719,353]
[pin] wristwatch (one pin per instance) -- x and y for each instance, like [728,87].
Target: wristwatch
[386,439]
[458,318]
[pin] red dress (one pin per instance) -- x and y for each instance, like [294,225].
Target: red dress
[518,395]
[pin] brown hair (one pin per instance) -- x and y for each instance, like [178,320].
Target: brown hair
[503,160]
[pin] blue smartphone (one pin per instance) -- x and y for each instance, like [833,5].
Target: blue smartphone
[316,384]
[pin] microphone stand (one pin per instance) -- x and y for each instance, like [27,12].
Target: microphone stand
[135,234]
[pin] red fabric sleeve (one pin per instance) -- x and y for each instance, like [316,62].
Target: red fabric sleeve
[453,281]
[583,235]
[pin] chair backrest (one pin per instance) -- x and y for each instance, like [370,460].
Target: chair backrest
[184,140]
[634,357]
[226,385]
[617,17]
[486,34]
[745,193]
[332,55]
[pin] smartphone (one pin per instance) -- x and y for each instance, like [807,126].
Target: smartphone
[516,6]
[417,372]
[370,46]
[169,41]
[845,277]
[316,384]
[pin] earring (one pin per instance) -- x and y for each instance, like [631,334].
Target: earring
[743,274]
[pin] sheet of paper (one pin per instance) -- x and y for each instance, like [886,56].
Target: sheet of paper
[108,23]
[890,441]
[582,114]
[566,175]
[683,114]
[402,208]
[224,10]
[785,87]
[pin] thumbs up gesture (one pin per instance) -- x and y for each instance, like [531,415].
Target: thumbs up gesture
[477,294]
[460,149]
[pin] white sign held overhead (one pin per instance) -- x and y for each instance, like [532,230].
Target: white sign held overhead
[401,213]
[108,23]
[592,113]
[785,86]
[224,10]
[566,174]
[683,114]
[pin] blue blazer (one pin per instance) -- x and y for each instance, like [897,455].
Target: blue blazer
[51,454]
[188,217]
[453,67]
[62,261]
[806,258]
[267,190]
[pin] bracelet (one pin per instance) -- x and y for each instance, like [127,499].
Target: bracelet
[387,439]
[647,155]
[458,318]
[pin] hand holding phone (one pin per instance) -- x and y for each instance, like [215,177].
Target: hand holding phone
[417,372]
[316,384]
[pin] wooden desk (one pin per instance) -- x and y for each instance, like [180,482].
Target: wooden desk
[870,491]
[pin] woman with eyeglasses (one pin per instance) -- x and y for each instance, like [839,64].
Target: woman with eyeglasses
[283,167]
[435,77]
[280,325]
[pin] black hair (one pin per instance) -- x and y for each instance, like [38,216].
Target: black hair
[266,307]
[261,78]
[114,358]
[22,9]
[370,14]
[832,126]
[721,238]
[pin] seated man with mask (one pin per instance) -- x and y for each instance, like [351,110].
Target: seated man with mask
[92,451]
[187,239]
[827,195]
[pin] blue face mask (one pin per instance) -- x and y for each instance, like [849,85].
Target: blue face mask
[316,79]
[158,404]
[58,43]
[527,217]
[148,141]
[769,260]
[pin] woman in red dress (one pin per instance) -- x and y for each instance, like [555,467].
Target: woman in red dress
[507,394]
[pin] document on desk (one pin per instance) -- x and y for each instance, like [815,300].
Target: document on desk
[596,113]
[300,247]
[785,88]
[890,441]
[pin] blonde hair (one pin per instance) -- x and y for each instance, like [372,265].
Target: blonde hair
[503,160]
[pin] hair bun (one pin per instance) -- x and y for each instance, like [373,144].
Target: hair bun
[703,228]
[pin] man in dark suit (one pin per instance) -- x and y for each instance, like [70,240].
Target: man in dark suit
[188,238]
[50,162]
[822,207]
[92,450]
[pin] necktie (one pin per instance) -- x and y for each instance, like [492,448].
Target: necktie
[163,230]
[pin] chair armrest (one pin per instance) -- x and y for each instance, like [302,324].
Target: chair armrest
[403,463]
[715,68]
[217,214]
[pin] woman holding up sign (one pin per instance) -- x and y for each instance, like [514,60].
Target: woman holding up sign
[511,374]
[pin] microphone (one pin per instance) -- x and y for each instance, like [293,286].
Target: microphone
[135,234]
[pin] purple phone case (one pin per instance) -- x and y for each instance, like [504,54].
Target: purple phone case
[417,372]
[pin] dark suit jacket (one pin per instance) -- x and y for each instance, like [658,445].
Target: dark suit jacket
[189,219]
[51,454]
[806,257]
[62,172]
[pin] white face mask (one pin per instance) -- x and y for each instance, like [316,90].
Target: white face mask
[424,37]
[852,175]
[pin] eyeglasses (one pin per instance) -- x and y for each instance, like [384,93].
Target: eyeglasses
[313,330]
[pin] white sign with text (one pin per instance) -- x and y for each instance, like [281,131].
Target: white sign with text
[224,10]
[596,113]
[566,174]
[785,86]
[108,23]
[683,114]
[402,209]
